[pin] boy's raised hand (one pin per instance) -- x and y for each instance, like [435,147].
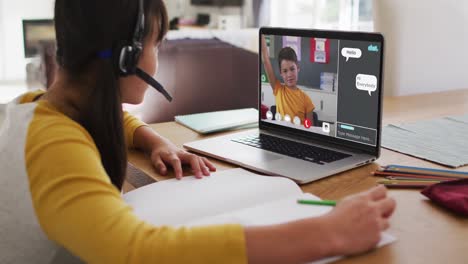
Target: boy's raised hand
[265,52]
[267,63]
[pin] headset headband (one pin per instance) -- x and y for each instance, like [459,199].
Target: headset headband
[140,24]
[138,45]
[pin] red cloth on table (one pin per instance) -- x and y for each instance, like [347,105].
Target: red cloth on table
[452,195]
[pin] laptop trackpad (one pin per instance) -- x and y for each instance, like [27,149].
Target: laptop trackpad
[267,157]
[257,157]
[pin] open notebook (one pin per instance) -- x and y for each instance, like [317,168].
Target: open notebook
[228,196]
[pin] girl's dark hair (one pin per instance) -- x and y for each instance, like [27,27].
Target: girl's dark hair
[287,53]
[83,29]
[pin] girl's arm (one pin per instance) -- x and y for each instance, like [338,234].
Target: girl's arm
[162,151]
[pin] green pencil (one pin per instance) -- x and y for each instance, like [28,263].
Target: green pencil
[317,202]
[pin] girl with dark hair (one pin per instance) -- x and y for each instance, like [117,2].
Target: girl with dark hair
[65,163]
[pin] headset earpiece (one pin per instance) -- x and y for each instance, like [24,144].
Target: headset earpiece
[128,59]
[130,52]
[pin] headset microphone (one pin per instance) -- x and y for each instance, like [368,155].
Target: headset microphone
[130,54]
[155,84]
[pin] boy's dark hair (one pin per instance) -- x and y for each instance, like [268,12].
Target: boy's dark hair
[84,28]
[287,53]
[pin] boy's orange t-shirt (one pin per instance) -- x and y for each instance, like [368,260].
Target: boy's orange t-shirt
[292,102]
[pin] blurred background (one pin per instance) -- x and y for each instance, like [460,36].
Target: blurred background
[24,24]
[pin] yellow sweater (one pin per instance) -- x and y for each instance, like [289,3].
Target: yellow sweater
[292,102]
[77,206]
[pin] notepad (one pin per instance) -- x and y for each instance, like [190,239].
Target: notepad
[228,196]
[210,122]
[441,140]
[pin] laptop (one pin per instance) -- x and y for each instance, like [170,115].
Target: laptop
[320,101]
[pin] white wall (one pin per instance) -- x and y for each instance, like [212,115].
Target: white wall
[325,105]
[12,14]
[426,45]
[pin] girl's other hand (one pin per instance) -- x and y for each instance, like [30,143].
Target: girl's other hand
[168,154]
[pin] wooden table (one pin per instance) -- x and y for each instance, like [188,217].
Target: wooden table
[425,232]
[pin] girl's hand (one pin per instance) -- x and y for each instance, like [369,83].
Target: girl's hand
[168,154]
[357,222]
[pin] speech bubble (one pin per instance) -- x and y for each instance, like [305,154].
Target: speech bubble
[366,82]
[351,53]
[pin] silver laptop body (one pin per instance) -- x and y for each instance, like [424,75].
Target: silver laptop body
[346,132]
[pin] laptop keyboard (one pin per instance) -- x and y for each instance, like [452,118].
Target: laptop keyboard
[291,148]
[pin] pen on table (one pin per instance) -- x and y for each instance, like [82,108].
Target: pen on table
[415,179]
[408,181]
[317,202]
[404,186]
[426,171]
[392,174]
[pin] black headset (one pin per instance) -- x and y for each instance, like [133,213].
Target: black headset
[130,54]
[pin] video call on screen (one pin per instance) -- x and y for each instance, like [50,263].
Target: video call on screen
[341,78]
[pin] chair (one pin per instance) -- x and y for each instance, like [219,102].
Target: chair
[203,75]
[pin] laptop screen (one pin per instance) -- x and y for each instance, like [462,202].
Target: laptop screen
[322,83]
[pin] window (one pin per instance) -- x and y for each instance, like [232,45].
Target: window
[323,14]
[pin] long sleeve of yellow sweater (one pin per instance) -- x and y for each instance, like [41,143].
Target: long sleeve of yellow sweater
[79,208]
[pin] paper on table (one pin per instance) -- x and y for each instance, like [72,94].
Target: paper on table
[272,212]
[439,140]
[462,119]
[385,239]
[178,202]
[268,213]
